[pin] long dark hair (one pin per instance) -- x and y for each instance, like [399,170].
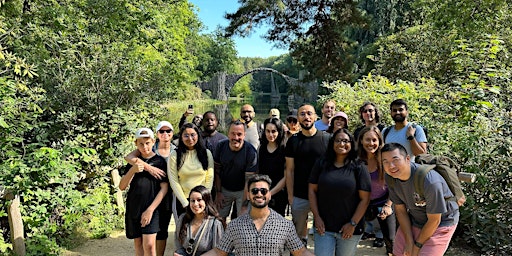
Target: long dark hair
[200,148]
[210,210]
[363,155]
[330,154]
[280,132]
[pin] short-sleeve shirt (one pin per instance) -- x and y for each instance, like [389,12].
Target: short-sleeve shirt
[143,187]
[234,164]
[435,189]
[400,137]
[211,141]
[277,235]
[305,151]
[338,192]
[320,125]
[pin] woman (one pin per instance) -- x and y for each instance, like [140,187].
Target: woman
[370,115]
[190,165]
[271,162]
[338,121]
[339,192]
[163,148]
[200,228]
[369,143]
[292,124]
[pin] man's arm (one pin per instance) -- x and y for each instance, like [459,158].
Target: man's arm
[417,148]
[302,252]
[405,226]
[428,230]
[154,171]
[290,167]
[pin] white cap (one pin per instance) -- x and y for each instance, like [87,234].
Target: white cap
[144,133]
[162,124]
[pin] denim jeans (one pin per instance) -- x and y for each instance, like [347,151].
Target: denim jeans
[331,243]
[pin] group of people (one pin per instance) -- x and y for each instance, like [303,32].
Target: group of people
[314,165]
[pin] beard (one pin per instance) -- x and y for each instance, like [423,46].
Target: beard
[307,128]
[260,206]
[398,118]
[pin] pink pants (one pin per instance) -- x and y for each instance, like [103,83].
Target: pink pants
[436,245]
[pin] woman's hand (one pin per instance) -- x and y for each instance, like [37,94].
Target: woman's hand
[347,231]
[146,218]
[386,211]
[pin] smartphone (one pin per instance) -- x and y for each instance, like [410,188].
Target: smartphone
[191,106]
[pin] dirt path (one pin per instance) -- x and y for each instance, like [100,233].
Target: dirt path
[117,244]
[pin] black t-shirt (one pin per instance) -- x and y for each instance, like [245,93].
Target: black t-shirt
[338,193]
[143,187]
[271,164]
[234,164]
[305,151]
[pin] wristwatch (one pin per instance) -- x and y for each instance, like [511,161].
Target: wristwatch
[418,244]
[410,137]
[353,223]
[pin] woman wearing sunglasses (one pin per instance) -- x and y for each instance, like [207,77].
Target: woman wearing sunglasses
[200,228]
[271,162]
[339,193]
[190,165]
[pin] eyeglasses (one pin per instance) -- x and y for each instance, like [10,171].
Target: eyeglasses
[368,111]
[255,191]
[164,131]
[291,120]
[190,248]
[246,111]
[342,142]
[192,135]
[309,113]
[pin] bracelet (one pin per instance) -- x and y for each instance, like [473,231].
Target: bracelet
[418,244]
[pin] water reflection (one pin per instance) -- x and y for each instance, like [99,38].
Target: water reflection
[229,111]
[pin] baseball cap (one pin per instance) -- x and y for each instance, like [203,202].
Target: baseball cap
[292,113]
[342,114]
[144,133]
[162,124]
[274,113]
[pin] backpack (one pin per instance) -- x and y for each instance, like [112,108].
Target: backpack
[445,166]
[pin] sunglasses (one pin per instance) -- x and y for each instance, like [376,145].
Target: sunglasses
[164,131]
[190,248]
[291,120]
[255,191]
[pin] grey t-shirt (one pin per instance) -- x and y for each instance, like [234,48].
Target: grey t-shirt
[435,189]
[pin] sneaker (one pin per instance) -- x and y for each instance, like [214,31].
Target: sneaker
[379,242]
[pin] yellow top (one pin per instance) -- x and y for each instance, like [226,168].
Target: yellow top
[191,174]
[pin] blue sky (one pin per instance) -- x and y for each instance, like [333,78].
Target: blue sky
[211,13]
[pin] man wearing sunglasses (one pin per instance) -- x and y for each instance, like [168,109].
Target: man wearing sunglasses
[262,231]
[370,115]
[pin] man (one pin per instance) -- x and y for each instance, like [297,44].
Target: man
[292,124]
[301,152]
[234,161]
[253,131]
[262,231]
[210,134]
[426,224]
[274,112]
[328,109]
[410,136]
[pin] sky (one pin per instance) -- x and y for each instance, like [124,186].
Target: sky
[211,13]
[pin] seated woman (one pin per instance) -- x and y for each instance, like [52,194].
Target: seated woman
[200,228]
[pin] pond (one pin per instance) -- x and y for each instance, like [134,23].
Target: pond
[230,110]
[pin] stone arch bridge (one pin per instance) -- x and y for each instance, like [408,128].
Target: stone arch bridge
[222,83]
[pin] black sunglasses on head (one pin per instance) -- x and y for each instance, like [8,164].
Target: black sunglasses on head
[255,191]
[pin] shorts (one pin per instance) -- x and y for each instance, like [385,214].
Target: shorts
[134,229]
